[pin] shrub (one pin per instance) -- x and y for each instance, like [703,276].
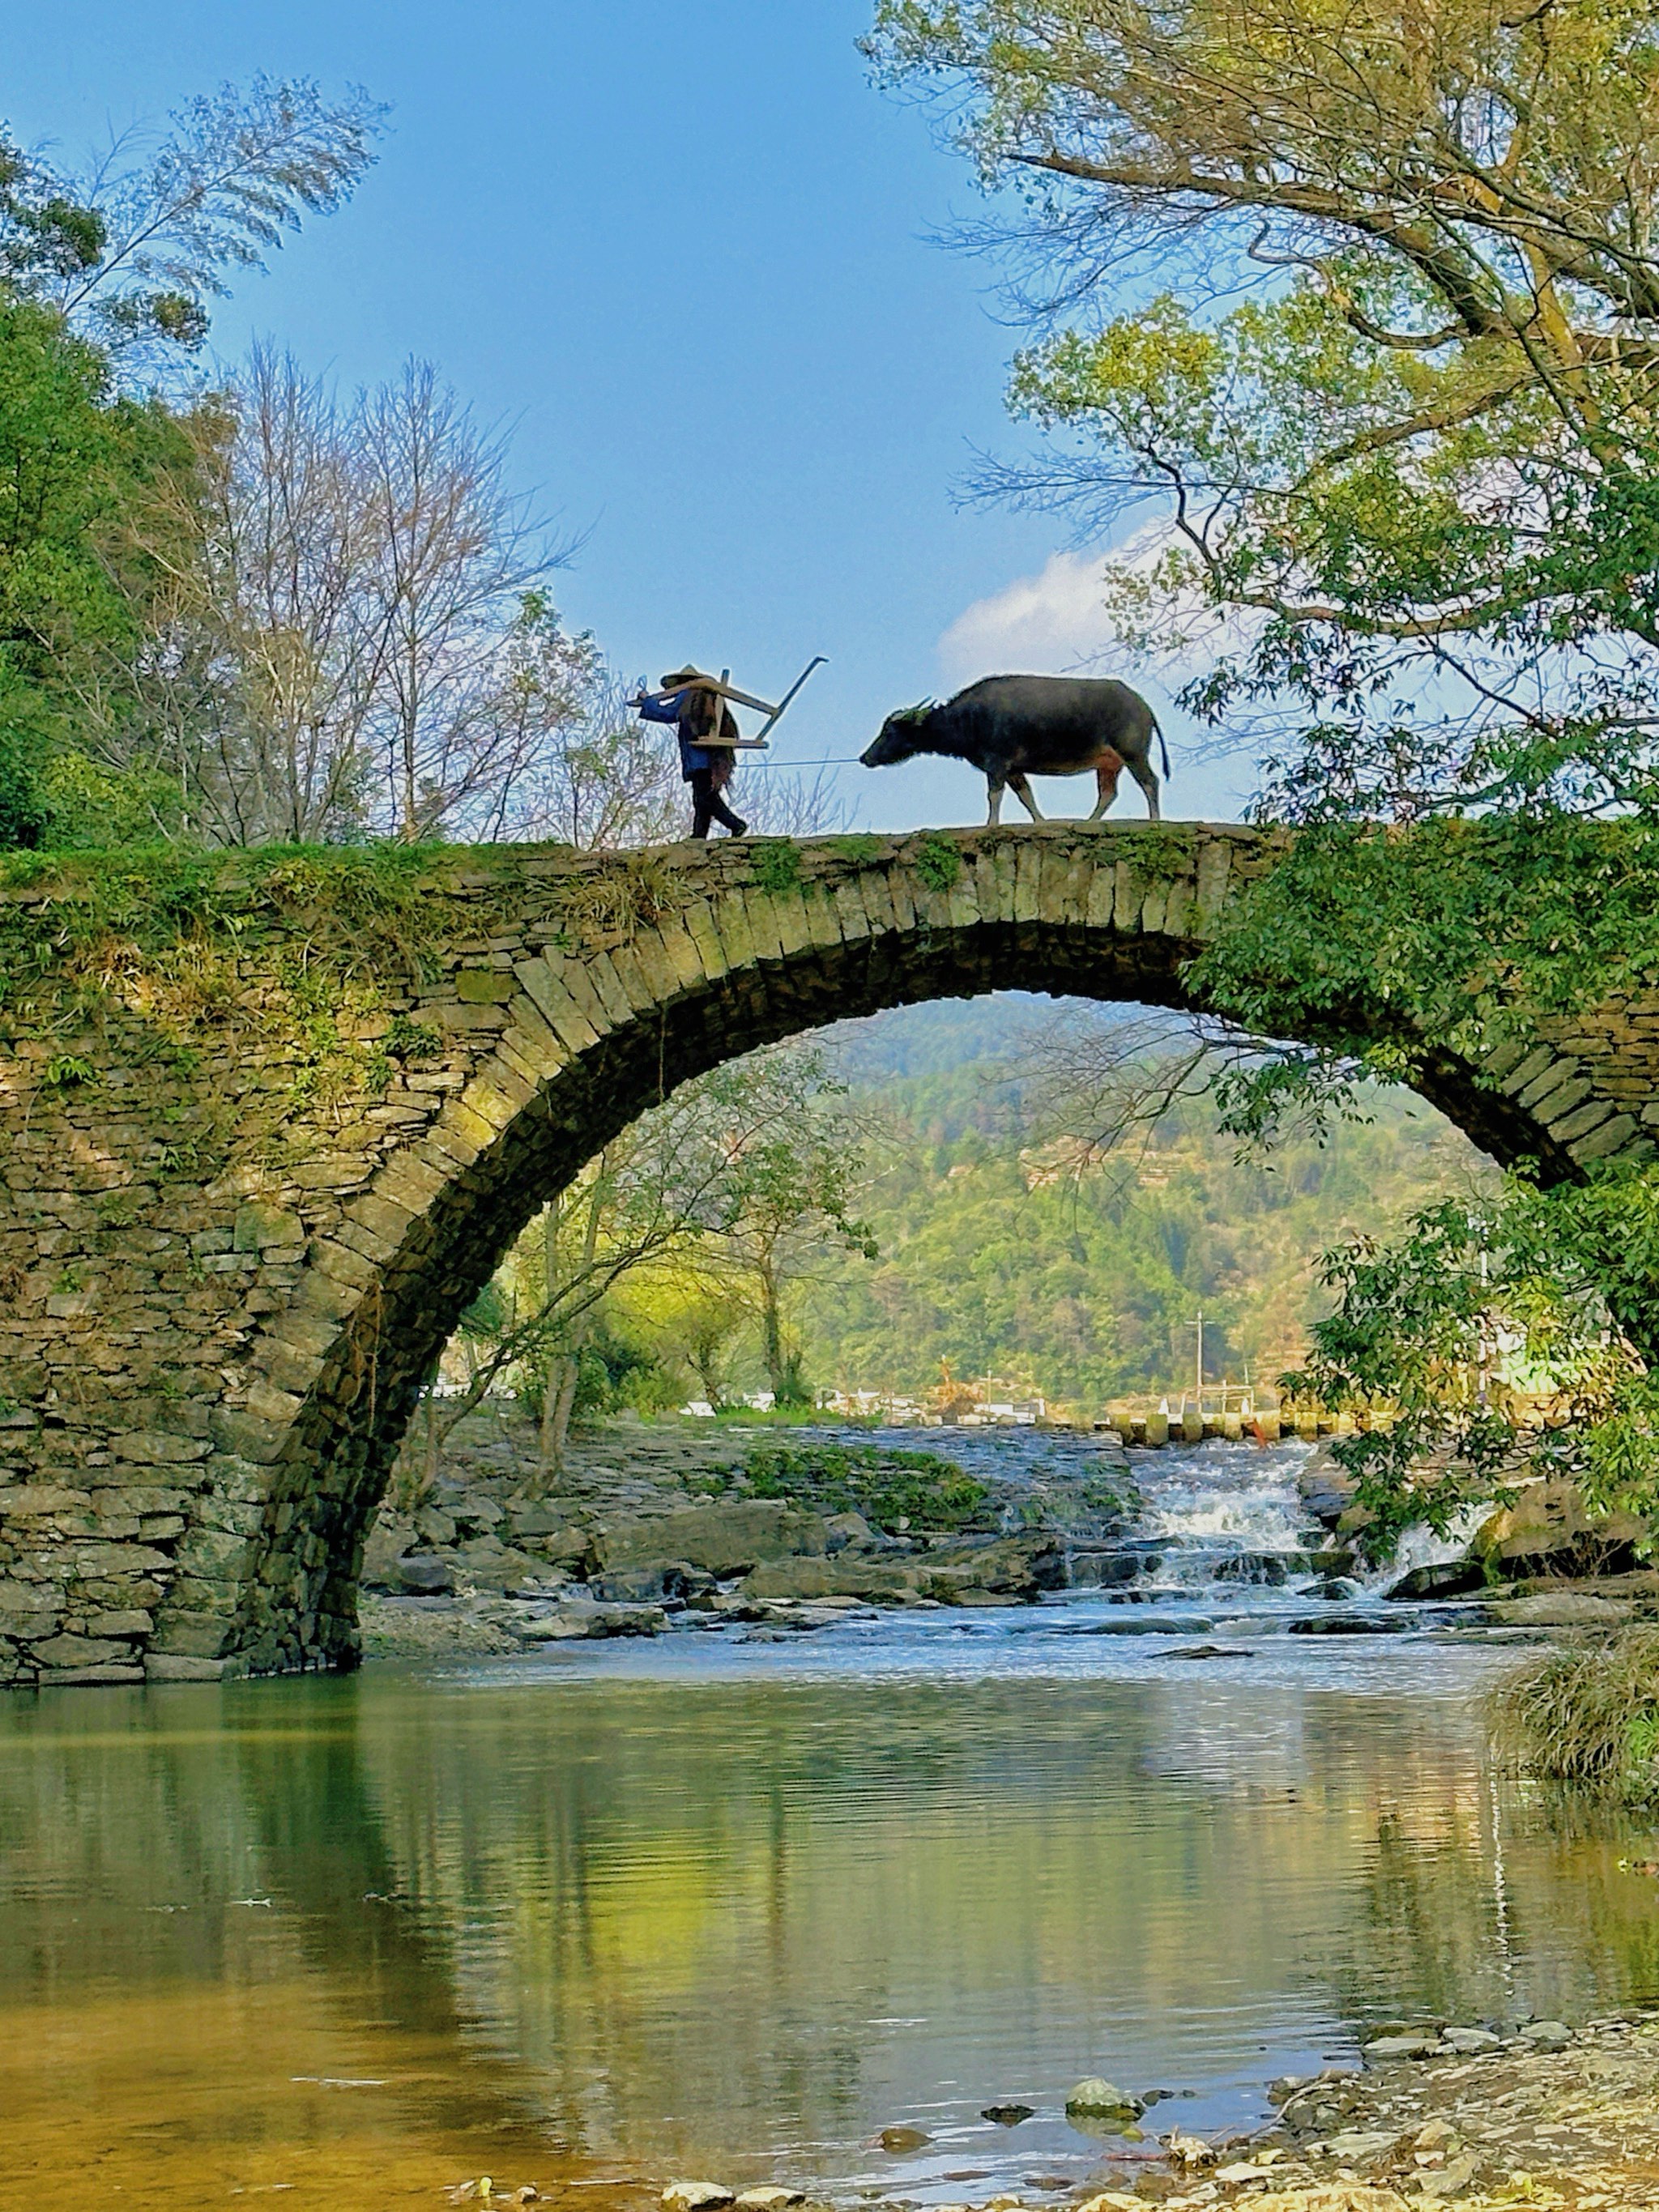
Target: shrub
[1588,1716]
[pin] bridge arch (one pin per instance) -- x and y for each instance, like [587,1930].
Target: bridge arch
[199,1506]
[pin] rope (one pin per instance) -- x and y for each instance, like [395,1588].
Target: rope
[830,760]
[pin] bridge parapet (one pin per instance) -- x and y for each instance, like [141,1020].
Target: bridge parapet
[260,1153]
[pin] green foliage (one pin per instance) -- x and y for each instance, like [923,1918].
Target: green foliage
[1503,1335]
[1407,471]
[407,1039]
[75,463]
[928,1492]
[938,862]
[775,863]
[136,256]
[65,1069]
[860,848]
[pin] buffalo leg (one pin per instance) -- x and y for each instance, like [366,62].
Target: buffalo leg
[1144,776]
[1106,775]
[1022,791]
[993,795]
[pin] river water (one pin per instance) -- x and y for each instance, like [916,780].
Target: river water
[600,1916]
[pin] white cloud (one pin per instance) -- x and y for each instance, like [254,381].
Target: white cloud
[1045,625]
[1056,624]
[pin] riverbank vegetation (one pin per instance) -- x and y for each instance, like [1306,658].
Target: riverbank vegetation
[1587,1714]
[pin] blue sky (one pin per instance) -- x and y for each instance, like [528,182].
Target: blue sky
[683,248]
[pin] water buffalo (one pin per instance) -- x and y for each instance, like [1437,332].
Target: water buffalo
[1012,727]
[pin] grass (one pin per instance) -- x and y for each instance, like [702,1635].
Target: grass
[1588,1716]
[918,1491]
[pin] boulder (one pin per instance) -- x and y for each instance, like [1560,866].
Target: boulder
[1098,2099]
[1263,1569]
[900,2140]
[1325,1486]
[390,1540]
[727,1536]
[421,1575]
[696,2197]
[1446,1579]
[551,1535]
[574,1619]
[1566,1608]
[656,1582]
[1549,1530]
[841,1529]
[475,1514]
[488,1564]
[840,1576]
[1020,1567]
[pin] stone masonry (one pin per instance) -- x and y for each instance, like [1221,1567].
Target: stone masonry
[241,1213]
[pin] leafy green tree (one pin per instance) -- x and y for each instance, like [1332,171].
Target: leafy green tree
[103,279]
[1500,1335]
[76,459]
[798,1155]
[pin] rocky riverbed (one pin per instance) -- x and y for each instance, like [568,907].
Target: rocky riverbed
[769,1533]
[1541,2114]
[649,1525]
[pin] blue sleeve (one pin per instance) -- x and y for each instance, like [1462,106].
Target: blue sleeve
[662,710]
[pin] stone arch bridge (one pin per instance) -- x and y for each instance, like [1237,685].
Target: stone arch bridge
[251,1174]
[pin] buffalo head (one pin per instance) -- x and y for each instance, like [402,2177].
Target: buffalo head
[901,737]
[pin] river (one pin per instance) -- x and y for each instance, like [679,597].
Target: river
[716,1904]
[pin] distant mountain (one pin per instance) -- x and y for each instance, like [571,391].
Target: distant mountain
[944,1035]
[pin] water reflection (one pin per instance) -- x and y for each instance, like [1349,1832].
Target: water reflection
[394,1930]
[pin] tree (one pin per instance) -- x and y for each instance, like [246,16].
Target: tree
[451,558]
[796,1154]
[103,279]
[1502,1335]
[132,253]
[1407,488]
[344,627]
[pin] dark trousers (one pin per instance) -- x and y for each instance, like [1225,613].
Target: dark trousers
[707,805]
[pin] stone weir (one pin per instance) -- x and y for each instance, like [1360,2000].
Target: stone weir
[268,1122]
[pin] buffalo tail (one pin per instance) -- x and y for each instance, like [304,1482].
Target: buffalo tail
[1162,747]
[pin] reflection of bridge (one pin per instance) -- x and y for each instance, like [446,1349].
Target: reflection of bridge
[244,1212]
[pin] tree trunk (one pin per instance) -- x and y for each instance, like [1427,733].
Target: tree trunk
[544,1449]
[772,1357]
[568,1369]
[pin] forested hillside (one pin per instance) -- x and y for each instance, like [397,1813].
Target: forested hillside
[1008,1249]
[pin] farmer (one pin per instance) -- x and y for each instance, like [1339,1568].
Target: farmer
[707,732]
